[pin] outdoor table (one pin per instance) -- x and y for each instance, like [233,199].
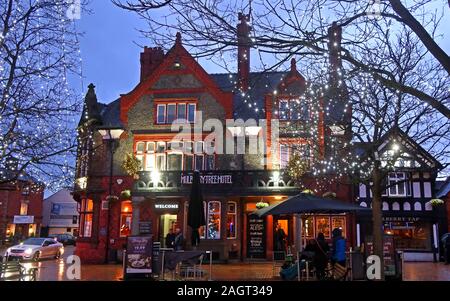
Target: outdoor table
[171,259]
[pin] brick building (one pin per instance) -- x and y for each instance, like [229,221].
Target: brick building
[175,91]
[20,209]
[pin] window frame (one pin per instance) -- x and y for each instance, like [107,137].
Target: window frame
[234,215]
[125,214]
[83,213]
[158,114]
[210,213]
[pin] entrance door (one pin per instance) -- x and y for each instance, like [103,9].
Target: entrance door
[167,222]
[282,233]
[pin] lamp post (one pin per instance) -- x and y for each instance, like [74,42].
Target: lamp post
[110,135]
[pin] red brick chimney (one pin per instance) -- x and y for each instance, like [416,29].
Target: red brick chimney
[334,49]
[243,33]
[150,60]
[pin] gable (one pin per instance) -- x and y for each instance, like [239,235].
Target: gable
[178,73]
[408,154]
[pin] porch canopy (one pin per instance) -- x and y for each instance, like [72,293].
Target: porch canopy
[308,203]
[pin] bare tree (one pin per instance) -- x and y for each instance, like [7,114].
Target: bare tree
[38,50]
[396,74]
[285,28]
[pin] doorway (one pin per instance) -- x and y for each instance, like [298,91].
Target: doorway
[167,222]
[285,226]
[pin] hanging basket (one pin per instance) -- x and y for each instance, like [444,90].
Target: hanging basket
[436,202]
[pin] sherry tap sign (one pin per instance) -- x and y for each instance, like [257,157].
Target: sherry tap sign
[208,179]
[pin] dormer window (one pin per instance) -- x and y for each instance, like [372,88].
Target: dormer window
[175,112]
[293,109]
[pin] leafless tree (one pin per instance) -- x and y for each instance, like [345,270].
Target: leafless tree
[395,71]
[38,51]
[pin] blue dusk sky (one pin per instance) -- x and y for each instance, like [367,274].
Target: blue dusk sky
[110,49]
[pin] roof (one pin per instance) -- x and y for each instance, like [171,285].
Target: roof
[110,114]
[444,190]
[250,105]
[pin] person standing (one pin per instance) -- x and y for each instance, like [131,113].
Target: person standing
[170,239]
[179,240]
[280,238]
[320,261]
[338,249]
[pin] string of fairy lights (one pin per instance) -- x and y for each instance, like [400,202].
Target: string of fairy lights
[45,128]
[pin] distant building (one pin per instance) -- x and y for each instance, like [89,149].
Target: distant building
[60,214]
[444,194]
[20,209]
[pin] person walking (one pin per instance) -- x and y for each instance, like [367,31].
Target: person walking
[179,240]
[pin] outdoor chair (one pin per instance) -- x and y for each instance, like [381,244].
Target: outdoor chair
[13,270]
[192,271]
[278,260]
[336,272]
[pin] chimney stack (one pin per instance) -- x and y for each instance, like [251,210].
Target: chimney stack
[151,58]
[334,49]
[243,32]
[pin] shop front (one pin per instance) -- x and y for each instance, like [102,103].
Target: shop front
[413,233]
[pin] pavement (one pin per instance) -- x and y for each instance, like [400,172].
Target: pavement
[59,270]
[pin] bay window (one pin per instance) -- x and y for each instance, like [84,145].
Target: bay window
[174,156]
[126,214]
[86,217]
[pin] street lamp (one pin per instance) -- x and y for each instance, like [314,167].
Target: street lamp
[110,136]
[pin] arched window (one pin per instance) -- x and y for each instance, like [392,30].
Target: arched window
[363,204]
[428,206]
[396,206]
[231,220]
[406,206]
[126,214]
[417,206]
[385,206]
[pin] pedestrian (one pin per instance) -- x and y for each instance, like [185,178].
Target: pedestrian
[447,249]
[320,261]
[280,238]
[170,239]
[179,240]
[338,249]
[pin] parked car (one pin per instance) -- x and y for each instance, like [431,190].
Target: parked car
[35,249]
[65,239]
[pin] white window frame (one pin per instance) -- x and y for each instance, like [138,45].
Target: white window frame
[182,119]
[169,153]
[282,164]
[167,112]
[158,115]
[195,112]
[396,178]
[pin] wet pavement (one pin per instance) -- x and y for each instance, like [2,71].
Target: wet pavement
[56,270]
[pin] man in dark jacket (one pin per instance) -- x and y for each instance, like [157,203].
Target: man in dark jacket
[280,238]
[179,240]
[170,239]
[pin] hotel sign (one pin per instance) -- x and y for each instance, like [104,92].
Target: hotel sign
[209,179]
[23,219]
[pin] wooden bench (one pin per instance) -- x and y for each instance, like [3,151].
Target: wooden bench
[15,271]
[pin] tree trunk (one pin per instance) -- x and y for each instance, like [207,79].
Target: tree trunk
[377,217]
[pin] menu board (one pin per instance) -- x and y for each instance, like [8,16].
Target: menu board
[145,228]
[256,237]
[388,253]
[139,255]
